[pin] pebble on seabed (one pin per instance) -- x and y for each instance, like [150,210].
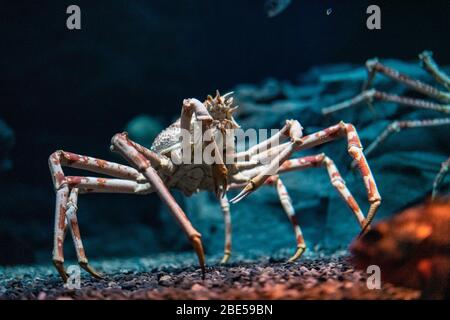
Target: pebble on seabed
[325,278]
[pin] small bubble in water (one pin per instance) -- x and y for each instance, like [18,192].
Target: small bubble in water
[329,11]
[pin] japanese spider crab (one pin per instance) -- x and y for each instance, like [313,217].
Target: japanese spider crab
[152,170]
[443,105]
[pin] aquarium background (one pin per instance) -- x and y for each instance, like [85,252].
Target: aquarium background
[129,69]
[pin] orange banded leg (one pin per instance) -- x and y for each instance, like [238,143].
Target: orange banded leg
[123,145]
[76,236]
[63,184]
[329,134]
[288,208]
[62,196]
[225,206]
[321,160]
[66,208]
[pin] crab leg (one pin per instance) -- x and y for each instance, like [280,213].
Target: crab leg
[69,159]
[93,184]
[265,146]
[374,66]
[329,134]
[295,133]
[122,145]
[288,208]
[369,95]
[321,160]
[431,66]
[440,177]
[63,185]
[314,161]
[59,231]
[225,206]
[76,236]
[396,126]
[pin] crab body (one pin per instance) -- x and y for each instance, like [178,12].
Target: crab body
[164,167]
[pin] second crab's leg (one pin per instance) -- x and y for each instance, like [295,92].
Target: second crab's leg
[396,126]
[374,66]
[370,95]
[225,206]
[440,177]
[431,66]
[121,144]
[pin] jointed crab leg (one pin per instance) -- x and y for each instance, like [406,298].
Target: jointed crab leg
[396,126]
[64,186]
[266,145]
[76,236]
[314,161]
[440,177]
[321,160]
[122,145]
[288,208]
[369,95]
[326,135]
[431,66]
[225,206]
[62,195]
[73,160]
[294,131]
[94,184]
[374,66]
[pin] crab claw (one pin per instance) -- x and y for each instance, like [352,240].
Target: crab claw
[249,188]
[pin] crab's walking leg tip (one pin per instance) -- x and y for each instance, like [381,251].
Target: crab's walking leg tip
[198,247]
[86,266]
[298,254]
[364,230]
[225,258]
[60,268]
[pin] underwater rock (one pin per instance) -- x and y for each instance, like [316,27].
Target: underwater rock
[6,144]
[412,249]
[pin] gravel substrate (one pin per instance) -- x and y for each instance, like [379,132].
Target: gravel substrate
[314,277]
